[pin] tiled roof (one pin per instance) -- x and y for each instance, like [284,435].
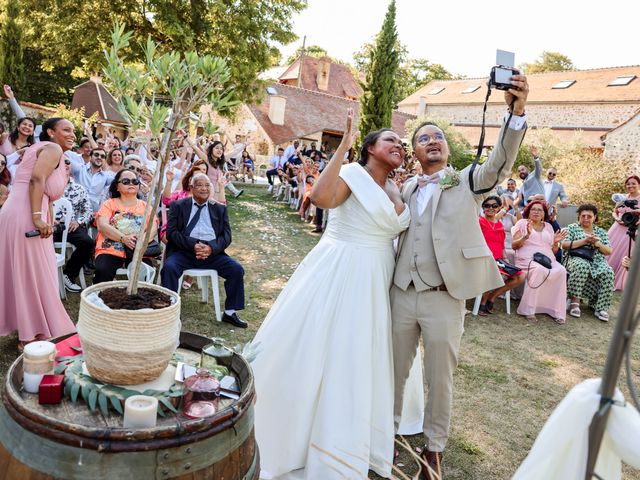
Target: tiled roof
[94,97]
[308,112]
[341,80]
[589,86]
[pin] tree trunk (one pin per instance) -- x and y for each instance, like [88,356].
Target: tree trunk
[153,201]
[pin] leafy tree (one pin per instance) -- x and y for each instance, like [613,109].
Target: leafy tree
[189,80]
[11,49]
[549,62]
[461,152]
[46,86]
[310,51]
[377,101]
[413,73]
[243,33]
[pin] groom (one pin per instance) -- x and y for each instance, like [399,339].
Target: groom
[443,260]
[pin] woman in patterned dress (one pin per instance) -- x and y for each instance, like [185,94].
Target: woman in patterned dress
[592,280]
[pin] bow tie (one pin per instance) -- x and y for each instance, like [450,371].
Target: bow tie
[427,179]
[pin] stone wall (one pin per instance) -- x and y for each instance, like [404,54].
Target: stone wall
[624,143]
[549,115]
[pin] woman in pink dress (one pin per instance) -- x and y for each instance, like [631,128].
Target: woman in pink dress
[618,233]
[546,290]
[29,301]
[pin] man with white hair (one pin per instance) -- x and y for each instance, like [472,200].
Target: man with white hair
[198,232]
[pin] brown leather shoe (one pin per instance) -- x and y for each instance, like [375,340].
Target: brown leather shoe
[434,460]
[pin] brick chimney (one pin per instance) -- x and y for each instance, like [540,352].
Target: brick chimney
[322,75]
[277,105]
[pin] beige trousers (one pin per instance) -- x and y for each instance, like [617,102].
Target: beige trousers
[439,318]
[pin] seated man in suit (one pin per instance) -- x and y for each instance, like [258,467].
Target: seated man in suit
[198,232]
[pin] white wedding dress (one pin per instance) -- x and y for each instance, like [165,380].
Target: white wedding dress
[324,371]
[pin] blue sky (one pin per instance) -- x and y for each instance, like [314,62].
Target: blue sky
[463,35]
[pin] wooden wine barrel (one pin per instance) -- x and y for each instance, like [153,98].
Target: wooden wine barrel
[68,441]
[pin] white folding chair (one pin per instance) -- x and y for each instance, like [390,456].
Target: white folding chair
[146,274]
[507,302]
[62,205]
[203,276]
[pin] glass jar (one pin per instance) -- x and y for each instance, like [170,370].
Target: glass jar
[213,352]
[201,392]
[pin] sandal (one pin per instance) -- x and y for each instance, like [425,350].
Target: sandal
[489,307]
[602,316]
[560,321]
[186,285]
[482,311]
[574,311]
[532,319]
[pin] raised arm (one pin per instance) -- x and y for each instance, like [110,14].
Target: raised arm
[330,190]
[503,155]
[13,103]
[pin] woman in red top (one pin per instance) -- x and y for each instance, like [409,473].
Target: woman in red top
[494,235]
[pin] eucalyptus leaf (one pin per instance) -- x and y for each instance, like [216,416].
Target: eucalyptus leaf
[86,390]
[104,406]
[167,404]
[75,388]
[117,405]
[61,367]
[93,397]
[161,411]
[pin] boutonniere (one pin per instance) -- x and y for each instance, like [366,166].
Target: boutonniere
[451,178]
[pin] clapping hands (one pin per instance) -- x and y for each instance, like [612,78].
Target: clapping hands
[560,235]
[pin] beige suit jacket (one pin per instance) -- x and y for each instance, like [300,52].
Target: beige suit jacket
[465,261]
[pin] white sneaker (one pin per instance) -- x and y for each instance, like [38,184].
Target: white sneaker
[70,286]
[602,316]
[270,189]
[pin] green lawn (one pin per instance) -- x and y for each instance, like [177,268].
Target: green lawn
[511,374]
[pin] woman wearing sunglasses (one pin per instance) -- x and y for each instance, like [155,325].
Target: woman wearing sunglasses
[119,223]
[495,236]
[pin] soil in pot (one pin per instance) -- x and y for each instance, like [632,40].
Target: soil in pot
[116,298]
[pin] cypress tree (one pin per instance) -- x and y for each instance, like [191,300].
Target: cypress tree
[11,49]
[377,100]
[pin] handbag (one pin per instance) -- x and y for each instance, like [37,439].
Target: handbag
[153,250]
[586,252]
[543,260]
[507,268]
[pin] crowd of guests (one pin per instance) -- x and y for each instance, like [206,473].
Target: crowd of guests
[549,269]
[107,181]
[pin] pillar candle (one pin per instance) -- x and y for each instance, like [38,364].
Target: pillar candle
[38,358]
[140,411]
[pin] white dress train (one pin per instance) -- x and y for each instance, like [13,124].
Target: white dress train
[324,371]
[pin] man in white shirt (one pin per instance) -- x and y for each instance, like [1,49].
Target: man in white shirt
[276,163]
[553,190]
[91,175]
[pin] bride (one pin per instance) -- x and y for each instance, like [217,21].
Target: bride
[324,372]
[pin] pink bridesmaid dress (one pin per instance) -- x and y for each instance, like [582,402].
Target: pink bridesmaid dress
[546,290]
[29,301]
[620,248]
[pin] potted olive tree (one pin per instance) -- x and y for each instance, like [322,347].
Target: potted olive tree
[132,346]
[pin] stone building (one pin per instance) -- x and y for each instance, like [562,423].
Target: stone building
[623,142]
[593,102]
[289,113]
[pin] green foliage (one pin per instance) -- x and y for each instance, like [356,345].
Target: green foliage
[72,34]
[549,62]
[460,150]
[75,116]
[310,51]
[11,49]
[587,176]
[377,101]
[46,86]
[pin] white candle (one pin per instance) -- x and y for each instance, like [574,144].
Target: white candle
[37,362]
[31,381]
[140,411]
[39,350]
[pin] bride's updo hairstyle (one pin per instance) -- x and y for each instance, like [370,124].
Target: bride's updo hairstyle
[368,141]
[50,124]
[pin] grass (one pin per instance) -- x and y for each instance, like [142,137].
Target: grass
[511,374]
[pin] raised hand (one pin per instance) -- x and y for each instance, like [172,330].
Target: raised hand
[518,94]
[8,92]
[559,235]
[350,133]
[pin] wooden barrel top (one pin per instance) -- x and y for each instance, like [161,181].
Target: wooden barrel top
[75,425]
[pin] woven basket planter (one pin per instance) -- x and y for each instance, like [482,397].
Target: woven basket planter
[127,347]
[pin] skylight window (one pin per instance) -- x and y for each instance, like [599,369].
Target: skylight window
[435,91]
[471,89]
[564,84]
[272,91]
[621,81]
